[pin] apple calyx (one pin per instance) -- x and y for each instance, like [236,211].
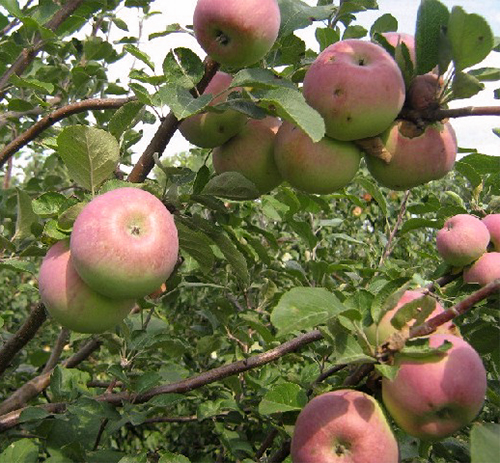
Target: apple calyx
[373,146]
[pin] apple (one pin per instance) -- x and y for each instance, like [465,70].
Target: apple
[237,33]
[322,167]
[124,243]
[211,129]
[397,38]
[424,91]
[417,156]
[70,301]
[492,222]
[357,87]
[433,399]
[379,333]
[462,240]
[343,426]
[250,153]
[484,270]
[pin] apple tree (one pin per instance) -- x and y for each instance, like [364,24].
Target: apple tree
[278,292]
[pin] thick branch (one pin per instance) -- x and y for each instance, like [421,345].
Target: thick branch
[166,131]
[22,336]
[55,116]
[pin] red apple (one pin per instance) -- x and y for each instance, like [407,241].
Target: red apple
[124,243]
[485,270]
[357,87]
[322,167]
[251,154]
[492,222]
[463,239]
[211,129]
[433,399]
[236,33]
[417,156]
[343,426]
[70,301]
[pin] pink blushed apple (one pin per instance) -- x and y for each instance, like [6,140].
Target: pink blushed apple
[417,156]
[211,129]
[124,243]
[492,222]
[70,301]
[357,87]
[322,167]
[395,39]
[463,239]
[236,33]
[484,270]
[343,426]
[434,399]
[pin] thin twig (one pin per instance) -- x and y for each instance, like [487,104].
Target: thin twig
[439,114]
[62,339]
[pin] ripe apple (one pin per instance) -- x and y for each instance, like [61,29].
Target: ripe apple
[211,129]
[417,156]
[321,167]
[463,239]
[236,33]
[357,87]
[492,222]
[485,270]
[397,38]
[70,301]
[433,399]
[124,243]
[250,153]
[343,426]
[378,334]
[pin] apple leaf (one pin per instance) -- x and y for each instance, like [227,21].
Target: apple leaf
[26,217]
[169,457]
[231,185]
[181,102]
[35,84]
[197,245]
[6,245]
[325,36]
[141,93]
[140,55]
[125,118]
[469,173]
[432,18]
[49,204]
[304,308]
[387,371]
[12,6]
[284,397]
[386,297]
[416,223]
[296,14]
[183,67]
[90,154]
[465,85]
[17,265]
[385,23]
[20,451]
[419,349]
[259,78]
[485,442]
[374,191]
[470,36]
[418,309]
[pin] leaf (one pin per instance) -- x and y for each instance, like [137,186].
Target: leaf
[387,297]
[140,55]
[231,185]
[181,102]
[374,191]
[470,36]
[90,154]
[296,14]
[385,23]
[303,309]
[12,6]
[485,442]
[34,84]
[416,223]
[168,457]
[125,118]
[290,104]
[432,18]
[19,266]
[326,36]
[418,309]
[183,67]
[486,74]
[281,398]
[141,93]
[465,85]
[197,245]
[26,217]
[469,173]
[347,348]
[48,204]
[20,451]
[259,78]
[387,371]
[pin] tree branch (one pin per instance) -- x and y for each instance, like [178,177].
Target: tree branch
[438,114]
[55,116]
[166,130]
[22,336]
[62,339]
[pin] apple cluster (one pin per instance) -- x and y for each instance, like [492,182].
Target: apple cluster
[123,246]
[474,244]
[355,85]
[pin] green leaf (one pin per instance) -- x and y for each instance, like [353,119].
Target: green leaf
[485,442]
[416,223]
[418,309]
[26,217]
[281,398]
[125,118]
[181,102]
[387,371]
[34,84]
[470,36]
[326,36]
[432,18]
[387,297]
[259,78]
[90,154]
[465,85]
[385,23]
[347,349]
[354,32]
[375,192]
[231,185]
[486,74]
[290,104]
[304,308]
[469,173]
[183,67]
[19,266]
[168,457]
[48,204]
[419,349]
[20,451]
[140,55]
[12,6]
[296,14]
[141,93]
[33,414]
[197,245]
[171,28]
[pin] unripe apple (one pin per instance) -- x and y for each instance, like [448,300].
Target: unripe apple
[322,167]
[236,33]
[211,129]
[397,38]
[251,153]
[378,334]
[463,239]
[343,426]
[485,270]
[433,399]
[124,243]
[70,301]
[492,222]
[357,87]
[417,156]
